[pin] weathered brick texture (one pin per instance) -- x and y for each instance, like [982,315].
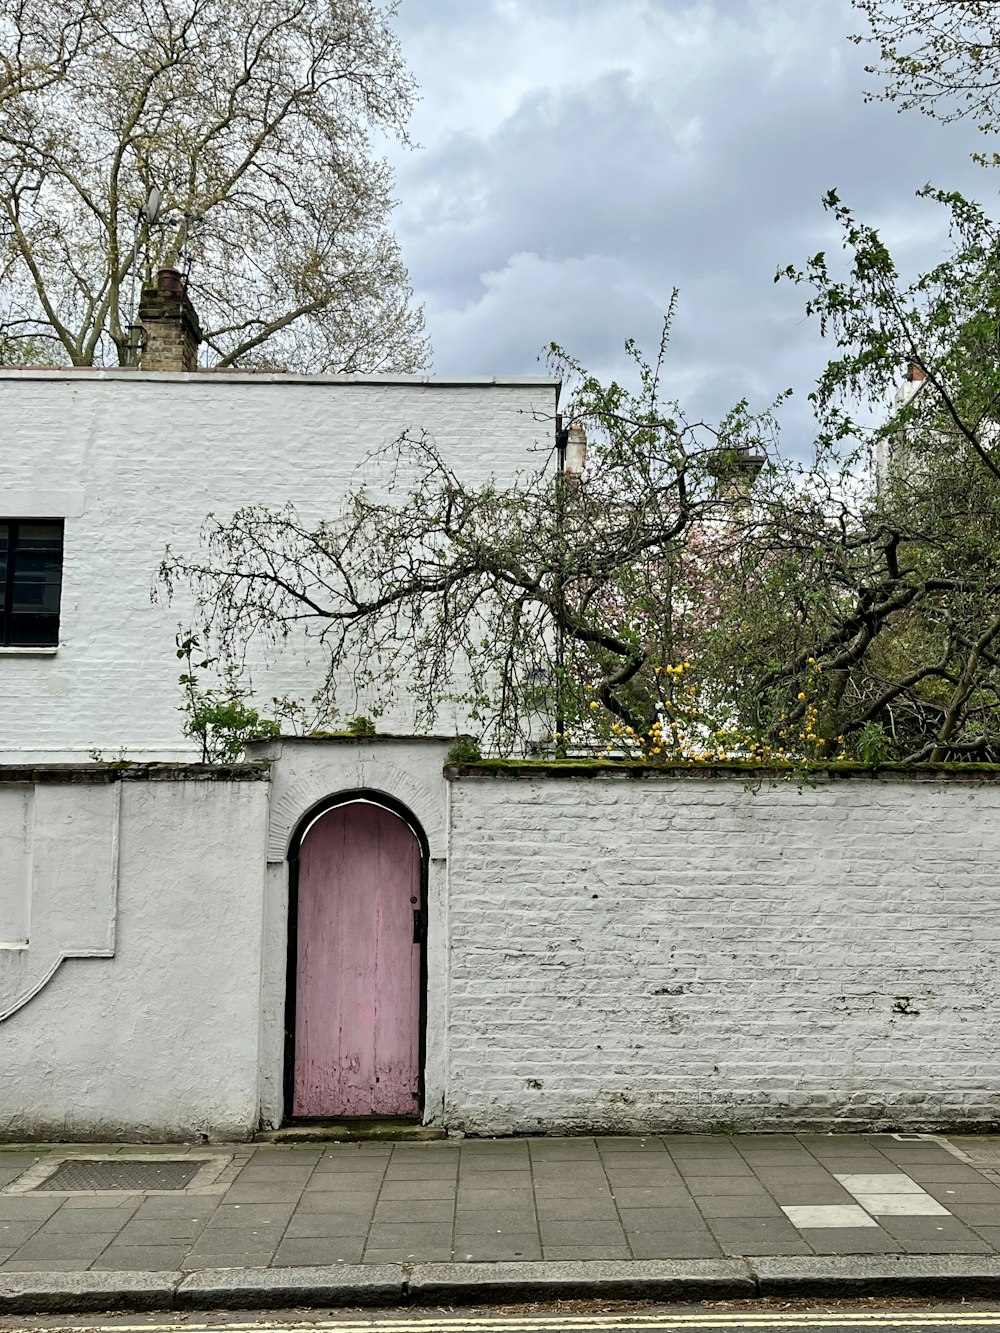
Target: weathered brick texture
[682,953]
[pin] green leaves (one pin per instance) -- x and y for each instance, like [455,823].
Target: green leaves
[218,717]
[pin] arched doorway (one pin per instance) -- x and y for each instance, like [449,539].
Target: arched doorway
[354,1036]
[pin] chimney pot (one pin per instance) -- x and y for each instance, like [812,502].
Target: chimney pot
[169,280]
[576,450]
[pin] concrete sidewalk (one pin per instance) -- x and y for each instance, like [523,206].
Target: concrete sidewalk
[673,1199]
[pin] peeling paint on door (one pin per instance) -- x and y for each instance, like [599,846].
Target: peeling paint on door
[358,973]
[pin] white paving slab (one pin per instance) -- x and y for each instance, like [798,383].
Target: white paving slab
[896,1183]
[902,1205]
[804,1216]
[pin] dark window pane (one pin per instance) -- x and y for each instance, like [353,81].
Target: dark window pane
[30,580]
[40,536]
[36,564]
[33,631]
[35,597]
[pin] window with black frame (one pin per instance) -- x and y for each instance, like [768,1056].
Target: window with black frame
[31,556]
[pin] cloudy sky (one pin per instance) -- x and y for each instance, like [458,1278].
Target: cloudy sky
[580,158]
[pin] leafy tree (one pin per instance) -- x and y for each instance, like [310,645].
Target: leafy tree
[254,119]
[655,605]
[940,56]
[860,609]
[537,603]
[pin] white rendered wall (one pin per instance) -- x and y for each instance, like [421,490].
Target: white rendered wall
[136,461]
[640,955]
[306,773]
[152,892]
[604,954]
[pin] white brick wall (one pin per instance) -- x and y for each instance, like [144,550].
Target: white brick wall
[134,461]
[679,953]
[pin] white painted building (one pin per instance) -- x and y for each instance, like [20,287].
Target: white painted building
[120,463]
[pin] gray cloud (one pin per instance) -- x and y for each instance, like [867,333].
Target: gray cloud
[577,165]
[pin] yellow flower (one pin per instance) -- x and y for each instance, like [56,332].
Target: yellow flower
[800,696]
[594,703]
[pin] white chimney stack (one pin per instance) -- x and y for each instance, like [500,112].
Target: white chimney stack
[576,451]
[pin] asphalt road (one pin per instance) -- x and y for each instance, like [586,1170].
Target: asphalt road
[834,1317]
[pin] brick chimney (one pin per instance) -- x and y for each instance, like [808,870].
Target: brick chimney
[170,329]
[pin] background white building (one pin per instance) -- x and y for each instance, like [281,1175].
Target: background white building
[120,463]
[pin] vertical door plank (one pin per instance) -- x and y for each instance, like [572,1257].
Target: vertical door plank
[397,970]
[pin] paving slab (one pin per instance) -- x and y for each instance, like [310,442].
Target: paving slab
[852,1240]
[637,1196]
[734,1166]
[152,1258]
[340,1201]
[724,1205]
[64,1245]
[577,1253]
[161,1231]
[66,1221]
[321,1250]
[163,1206]
[690,1244]
[757,1235]
[14,1234]
[493,1247]
[581,1233]
[622,1178]
[561,1210]
[507,1219]
[726,1187]
[15,1265]
[275,1191]
[15,1208]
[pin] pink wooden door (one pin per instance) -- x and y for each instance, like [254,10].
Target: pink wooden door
[357,996]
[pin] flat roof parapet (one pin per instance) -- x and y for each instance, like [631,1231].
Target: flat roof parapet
[230,376]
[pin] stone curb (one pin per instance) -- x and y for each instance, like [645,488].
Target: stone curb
[882,1275]
[251,1288]
[75,1293]
[619,1279]
[472,1283]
